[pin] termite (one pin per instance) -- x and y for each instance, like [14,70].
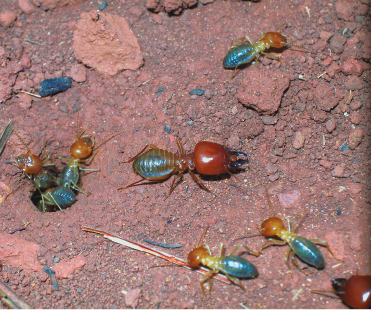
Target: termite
[208,158]
[234,267]
[245,51]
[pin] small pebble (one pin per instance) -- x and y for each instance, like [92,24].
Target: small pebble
[52,86]
[160,90]
[56,259]
[330,125]
[269,120]
[355,105]
[198,92]
[355,117]
[355,188]
[167,129]
[103,5]
[355,138]
[271,169]
[273,177]
[325,163]
[338,212]
[344,147]
[190,122]
[209,94]
[338,171]
[298,140]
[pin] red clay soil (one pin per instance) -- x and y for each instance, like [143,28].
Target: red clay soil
[303,121]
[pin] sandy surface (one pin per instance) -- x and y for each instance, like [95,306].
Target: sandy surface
[311,151]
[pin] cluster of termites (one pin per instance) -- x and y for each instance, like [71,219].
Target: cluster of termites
[155,165]
[53,192]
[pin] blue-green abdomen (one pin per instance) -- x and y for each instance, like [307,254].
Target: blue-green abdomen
[69,174]
[308,252]
[238,267]
[239,55]
[65,197]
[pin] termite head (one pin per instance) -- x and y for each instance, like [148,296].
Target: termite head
[275,39]
[29,163]
[82,147]
[196,255]
[271,226]
[212,159]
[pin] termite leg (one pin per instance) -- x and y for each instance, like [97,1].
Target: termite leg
[326,245]
[198,181]
[275,242]
[145,147]
[295,262]
[134,183]
[72,185]
[176,177]
[247,248]
[235,281]
[271,55]
[180,147]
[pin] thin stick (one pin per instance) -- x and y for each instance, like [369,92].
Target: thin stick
[162,245]
[31,94]
[5,290]
[154,252]
[5,135]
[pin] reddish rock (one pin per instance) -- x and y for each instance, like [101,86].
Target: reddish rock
[289,198]
[8,74]
[344,9]
[299,140]
[52,4]
[65,268]
[24,101]
[330,125]
[132,298]
[337,43]
[173,6]
[325,96]
[17,252]
[25,61]
[206,1]
[26,6]
[327,61]
[338,171]
[355,83]
[105,42]
[7,18]
[333,70]
[355,138]
[262,89]
[157,18]
[352,67]
[355,117]
[355,105]
[78,73]
[355,188]
[325,163]
[325,35]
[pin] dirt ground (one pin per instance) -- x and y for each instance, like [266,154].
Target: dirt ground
[303,122]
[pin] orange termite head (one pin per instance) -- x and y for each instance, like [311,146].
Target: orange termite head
[29,163]
[271,226]
[213,159]
[196,255]
[82,147]
[275,39]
